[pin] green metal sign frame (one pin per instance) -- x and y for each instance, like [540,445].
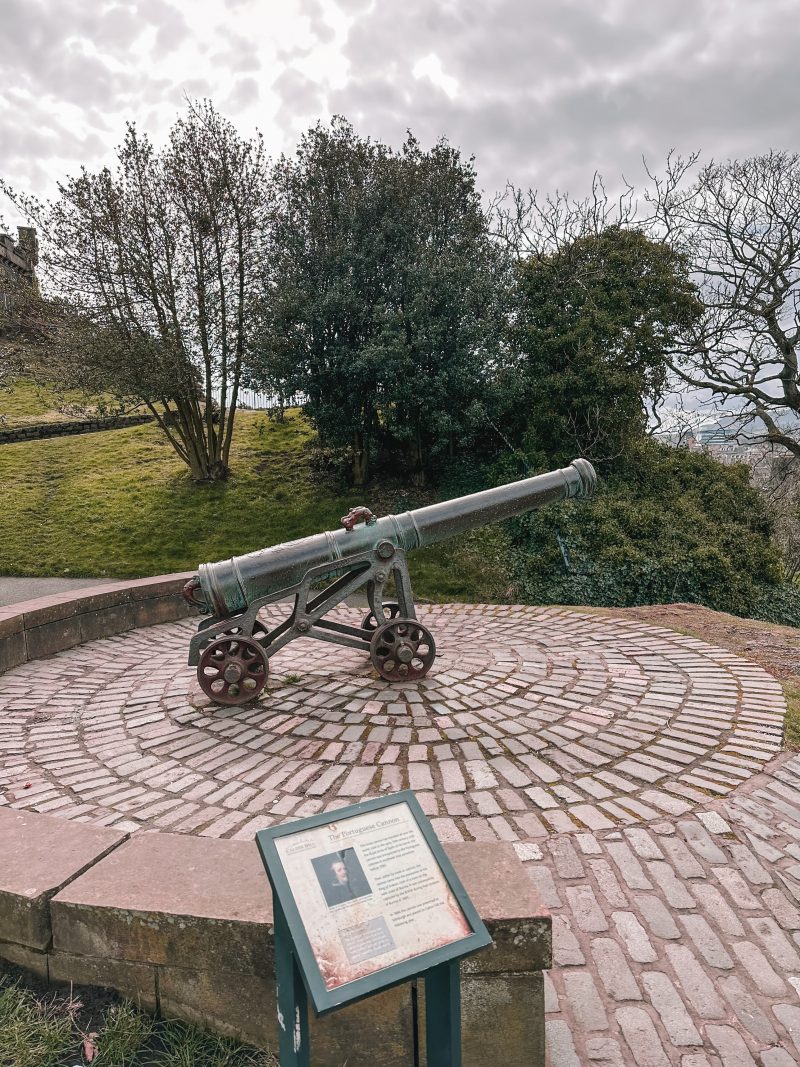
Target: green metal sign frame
[297,971]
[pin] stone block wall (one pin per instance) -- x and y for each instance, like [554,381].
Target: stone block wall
[35,431]
[184,926]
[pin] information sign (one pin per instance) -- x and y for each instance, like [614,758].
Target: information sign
[368,899]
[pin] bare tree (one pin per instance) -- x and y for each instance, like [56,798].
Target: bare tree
[738,222]
[777,475]
[150,275]
[528,224]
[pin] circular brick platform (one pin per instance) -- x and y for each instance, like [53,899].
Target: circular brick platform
[532,721]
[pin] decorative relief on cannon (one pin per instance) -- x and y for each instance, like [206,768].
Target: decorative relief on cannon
[232,647]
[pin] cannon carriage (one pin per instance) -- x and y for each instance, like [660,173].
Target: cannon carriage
[232,647]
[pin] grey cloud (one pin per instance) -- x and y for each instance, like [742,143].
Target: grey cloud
[315,13]
[300,97]
[244,92]
[79,52]
[241,55]
[159,91]
[117,25]
[31,137]
[550,92]
[74,72]
[172,27]
[547,92]
[354,7]
[196,88]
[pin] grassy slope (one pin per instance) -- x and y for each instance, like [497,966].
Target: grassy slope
[26,402]
[120,504]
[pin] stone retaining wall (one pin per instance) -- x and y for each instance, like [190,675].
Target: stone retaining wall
[184,925]
[34,431]
[41,627]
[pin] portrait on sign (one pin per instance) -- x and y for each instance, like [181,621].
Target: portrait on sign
[341,877]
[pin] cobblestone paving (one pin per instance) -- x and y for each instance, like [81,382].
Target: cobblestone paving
[533,721]
[629,765]
[676,942]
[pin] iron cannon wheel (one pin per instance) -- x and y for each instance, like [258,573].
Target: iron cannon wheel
[233,669]
[391,610]
[402,650]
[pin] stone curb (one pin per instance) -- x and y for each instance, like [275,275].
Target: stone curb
[41,855]
[184,925]
[37,628]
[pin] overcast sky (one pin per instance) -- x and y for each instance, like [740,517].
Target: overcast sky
[542,92]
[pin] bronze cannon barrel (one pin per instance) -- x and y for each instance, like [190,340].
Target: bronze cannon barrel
[228,587]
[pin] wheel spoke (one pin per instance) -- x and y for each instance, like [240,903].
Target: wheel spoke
[391,610]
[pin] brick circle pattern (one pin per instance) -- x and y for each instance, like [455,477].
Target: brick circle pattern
[532,721]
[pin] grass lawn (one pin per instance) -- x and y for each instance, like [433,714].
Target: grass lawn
[792,723]
[120,504]
[44,1029]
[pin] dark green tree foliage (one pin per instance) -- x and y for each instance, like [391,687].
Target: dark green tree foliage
[667,525]
[447,283]
[382,294]
[326,274]
[593,322]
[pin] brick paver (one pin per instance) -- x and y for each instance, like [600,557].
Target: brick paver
[637,771]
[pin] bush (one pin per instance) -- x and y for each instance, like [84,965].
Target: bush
[667,525]
[779,604]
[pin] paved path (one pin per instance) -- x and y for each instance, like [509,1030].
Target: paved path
[636,771]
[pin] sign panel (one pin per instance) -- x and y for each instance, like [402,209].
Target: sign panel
[369,896]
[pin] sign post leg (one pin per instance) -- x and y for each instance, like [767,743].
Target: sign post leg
[292,997]
[443,1015]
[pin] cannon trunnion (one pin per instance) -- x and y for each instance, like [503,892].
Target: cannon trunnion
[232,647]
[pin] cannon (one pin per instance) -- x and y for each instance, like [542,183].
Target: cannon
[232,647]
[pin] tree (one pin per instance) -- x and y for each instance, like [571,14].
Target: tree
[739,224]
[593,321]
[382,294]
[324,279]
[777,475]
[150,274]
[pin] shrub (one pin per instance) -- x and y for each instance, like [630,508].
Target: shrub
[667,525]
[777,603]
